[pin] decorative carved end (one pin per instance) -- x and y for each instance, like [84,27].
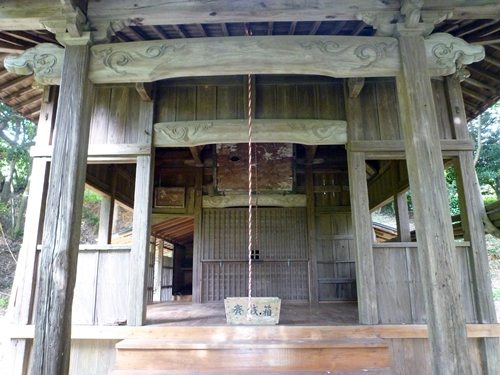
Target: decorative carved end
[44,61]
[445,53]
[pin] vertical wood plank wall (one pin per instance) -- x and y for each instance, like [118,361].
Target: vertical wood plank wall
[281,269]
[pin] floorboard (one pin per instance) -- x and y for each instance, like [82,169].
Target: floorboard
[212,314]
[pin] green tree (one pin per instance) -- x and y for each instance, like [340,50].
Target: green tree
[488,159]
[16,136]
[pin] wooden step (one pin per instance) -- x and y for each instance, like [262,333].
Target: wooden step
[252,355]
[378,371]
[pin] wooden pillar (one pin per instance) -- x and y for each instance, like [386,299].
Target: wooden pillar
[105,221]
[61,234]
[471,212]
[361,218]
[363,239]
[158,270]
[311,230]
[436,248]
[198,228]
[141,228]
[107,213]
[22,294]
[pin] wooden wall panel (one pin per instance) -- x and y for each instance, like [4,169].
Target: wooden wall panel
[411,356]
[370,124]
[440,101]
[85,288]
[415,287]
[388,116]
[100,116]
[286,97]
[282,268]
[288,281]
[281,233]
[112,282]
[115,115]
[275,97]
[96,357]
[463,263]
[391,276]
[335,257]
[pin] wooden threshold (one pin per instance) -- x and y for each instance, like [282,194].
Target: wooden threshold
[259,332]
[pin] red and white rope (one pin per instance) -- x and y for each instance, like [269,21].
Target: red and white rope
[249,310]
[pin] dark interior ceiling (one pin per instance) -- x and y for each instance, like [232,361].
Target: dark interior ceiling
[481,90]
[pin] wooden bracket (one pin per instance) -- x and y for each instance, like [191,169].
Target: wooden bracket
[196,152]
[310,152]
[355,86]
[145,90]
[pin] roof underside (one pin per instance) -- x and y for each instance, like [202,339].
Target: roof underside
[481,90]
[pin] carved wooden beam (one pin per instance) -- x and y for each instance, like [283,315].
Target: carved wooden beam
[194,133]
[273,200]
[44,61]
[325,55]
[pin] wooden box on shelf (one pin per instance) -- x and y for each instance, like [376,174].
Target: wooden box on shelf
[170,197]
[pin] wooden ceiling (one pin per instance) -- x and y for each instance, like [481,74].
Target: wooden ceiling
[481,90]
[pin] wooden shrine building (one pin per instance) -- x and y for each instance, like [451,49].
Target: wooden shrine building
[354,104]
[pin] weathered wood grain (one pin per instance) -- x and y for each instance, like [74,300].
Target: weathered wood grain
[289,200]
[143,195]
[51,347]
[363,239]
[472,212]
[432,217]
[195,133]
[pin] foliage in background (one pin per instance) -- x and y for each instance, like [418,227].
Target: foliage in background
[89,214]
[488,164]
[16,136]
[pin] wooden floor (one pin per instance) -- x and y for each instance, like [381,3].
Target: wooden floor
[212,314]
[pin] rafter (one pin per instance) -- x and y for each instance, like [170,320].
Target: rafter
[159,32]
[315,28]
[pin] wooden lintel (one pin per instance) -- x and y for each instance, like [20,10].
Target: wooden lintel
[387,147]
[100,151]
[194,133]
[274,200]
[330,188]
[355,86]
[145,90]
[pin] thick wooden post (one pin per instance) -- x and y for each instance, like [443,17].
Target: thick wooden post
[138,263]
[472,210]
[311,237]
[22,295]
[198,229]
[361,219]
[437,258]
[61,234]
[363,239]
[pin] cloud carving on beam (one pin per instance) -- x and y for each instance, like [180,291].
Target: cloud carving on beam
[446,53]
[342,57]
[45,61]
